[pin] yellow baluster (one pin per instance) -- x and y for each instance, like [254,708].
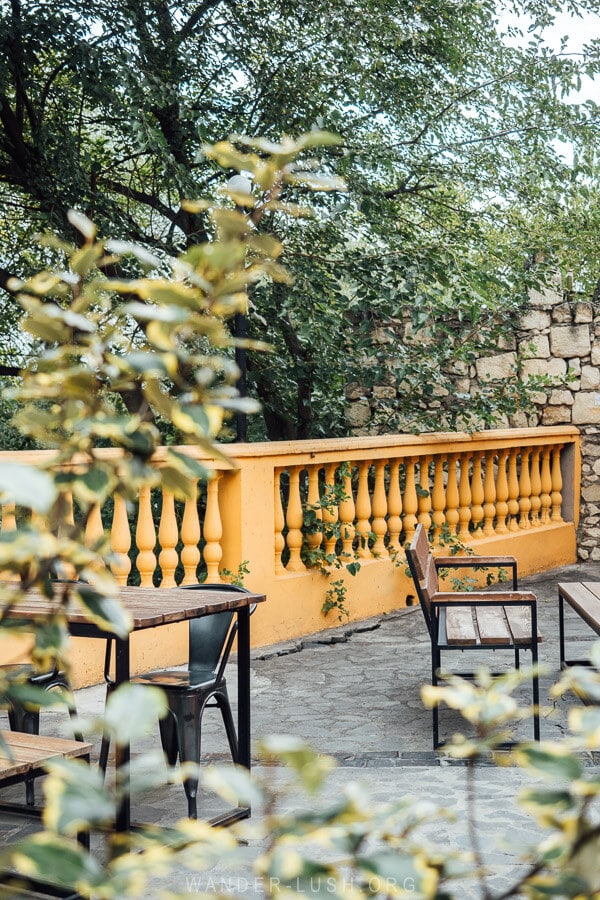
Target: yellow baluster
[379,508]
[294,522]
[363,511]
[524,491]
[9,523]
[190,538]
[424,494]
[438,498]
[314,539]
[464,500]
[477,493]
[168,535]
[536,486]
[394,502]
[9,518]
[501,494]
[513,491]
[330,511]
[66,570]
[545,497]
[120,541]
[213,530]
[452,496]
[145,539]
[279,524]
[347,511]
[94,529]
[489,496]
[557,483]
[410,501]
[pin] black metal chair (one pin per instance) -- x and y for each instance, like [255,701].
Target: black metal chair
[26,718]
[189,692]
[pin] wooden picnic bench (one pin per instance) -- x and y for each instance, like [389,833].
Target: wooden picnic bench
[473,620]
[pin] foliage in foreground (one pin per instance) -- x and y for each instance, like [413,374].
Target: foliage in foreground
[348,846]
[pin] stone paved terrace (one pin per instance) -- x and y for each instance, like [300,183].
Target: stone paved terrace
[353,692]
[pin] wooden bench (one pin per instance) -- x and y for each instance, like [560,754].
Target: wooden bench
[584,599]
[24,757]
[472,620]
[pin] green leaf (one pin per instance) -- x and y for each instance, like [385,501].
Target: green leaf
[551,760]
[132,711]
[27,487]
[57,860]
[107,612]
[75,797]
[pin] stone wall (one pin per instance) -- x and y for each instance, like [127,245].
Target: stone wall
[557,337]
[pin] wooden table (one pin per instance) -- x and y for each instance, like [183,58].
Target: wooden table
[584,598]
[153,608]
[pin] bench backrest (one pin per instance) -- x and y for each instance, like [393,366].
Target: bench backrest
[423,571]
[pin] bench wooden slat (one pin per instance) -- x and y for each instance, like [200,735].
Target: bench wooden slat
[492,625]
[584,601]
[519,621]
[460,628]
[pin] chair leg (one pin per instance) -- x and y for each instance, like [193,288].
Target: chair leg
[187,713]
[536,695]
[168,737]
[222,701]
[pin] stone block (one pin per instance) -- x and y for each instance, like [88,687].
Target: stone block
[496,367]
[575,367]
[507,342]
[583,312]
[358,413]
[535,320]
[536,347]
[569,341]
[354,391]
[562,314]
[561,398]
[591,493]
[554,368]
[590,378]
[596,355]
[383,392]
[556,415]
[585,410]
[549,296]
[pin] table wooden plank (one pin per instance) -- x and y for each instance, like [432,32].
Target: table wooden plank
[492,625]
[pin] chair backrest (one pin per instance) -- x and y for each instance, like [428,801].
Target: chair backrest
[423,571]
[211,637]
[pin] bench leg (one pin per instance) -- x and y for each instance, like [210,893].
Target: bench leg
[435,666]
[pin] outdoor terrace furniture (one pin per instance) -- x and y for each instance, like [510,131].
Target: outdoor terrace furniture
[189,692]
[24,757]
[27,718]
[584,599]
[473,620]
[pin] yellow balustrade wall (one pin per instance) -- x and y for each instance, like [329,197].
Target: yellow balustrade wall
[285,510]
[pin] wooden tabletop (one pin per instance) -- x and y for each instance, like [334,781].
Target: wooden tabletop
[147,606]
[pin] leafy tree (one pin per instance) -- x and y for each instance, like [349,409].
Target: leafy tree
[450,156]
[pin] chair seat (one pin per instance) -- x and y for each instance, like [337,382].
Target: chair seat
[176,679]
